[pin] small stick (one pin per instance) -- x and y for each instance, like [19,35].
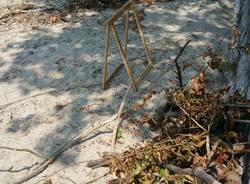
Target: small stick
[189,116]
[211,153]
[59,170]
[11,170]
[118,121]
[208,145]
[176,65]
[23,150]
[197,172]
[245,121]
[243,105]
[179,73]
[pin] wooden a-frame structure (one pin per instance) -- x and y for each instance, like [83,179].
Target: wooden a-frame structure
[126,8]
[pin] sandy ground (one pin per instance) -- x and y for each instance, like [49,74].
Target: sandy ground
[44,58]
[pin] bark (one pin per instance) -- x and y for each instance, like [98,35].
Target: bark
[239,55]
[239,64]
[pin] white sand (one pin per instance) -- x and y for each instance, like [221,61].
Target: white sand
[59,56]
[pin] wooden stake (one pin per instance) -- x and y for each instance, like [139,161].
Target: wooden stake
[144,43]
[118,43]
[105,57]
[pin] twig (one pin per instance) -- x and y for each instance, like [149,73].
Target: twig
[48,176]
[40,94]
[23,150]
[97,163]
[68,144]
[189,116]
[211,153]
[72,142]
[179,73]
[243,105]
[197,172]
[245,121]
[118,121]
[208,144]
[11,170]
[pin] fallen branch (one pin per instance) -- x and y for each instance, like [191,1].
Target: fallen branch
[197,172]
[70,143]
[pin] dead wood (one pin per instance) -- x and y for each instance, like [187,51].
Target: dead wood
[197,172]
[97,163]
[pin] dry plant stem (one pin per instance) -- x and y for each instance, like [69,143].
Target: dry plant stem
[179,73]
[70,143]
[118,121]
[243,105]
[75,140]
[48,176]
[44,93]
[189,116]
[23,150]
[211,153]
[208,144]
[197,172]
[11,170]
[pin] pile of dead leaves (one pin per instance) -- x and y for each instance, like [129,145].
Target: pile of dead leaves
[32,18]
[204,147]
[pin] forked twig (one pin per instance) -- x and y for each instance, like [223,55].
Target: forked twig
[179,73]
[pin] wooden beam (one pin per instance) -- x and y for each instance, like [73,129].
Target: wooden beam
[146,70]
[120,12]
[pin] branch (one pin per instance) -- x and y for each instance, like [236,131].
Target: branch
[197,172]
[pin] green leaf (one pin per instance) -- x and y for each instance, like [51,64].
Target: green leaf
[164,173]
[137,170]
[119,134]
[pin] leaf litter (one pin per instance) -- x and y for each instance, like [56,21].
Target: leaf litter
[208,134]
